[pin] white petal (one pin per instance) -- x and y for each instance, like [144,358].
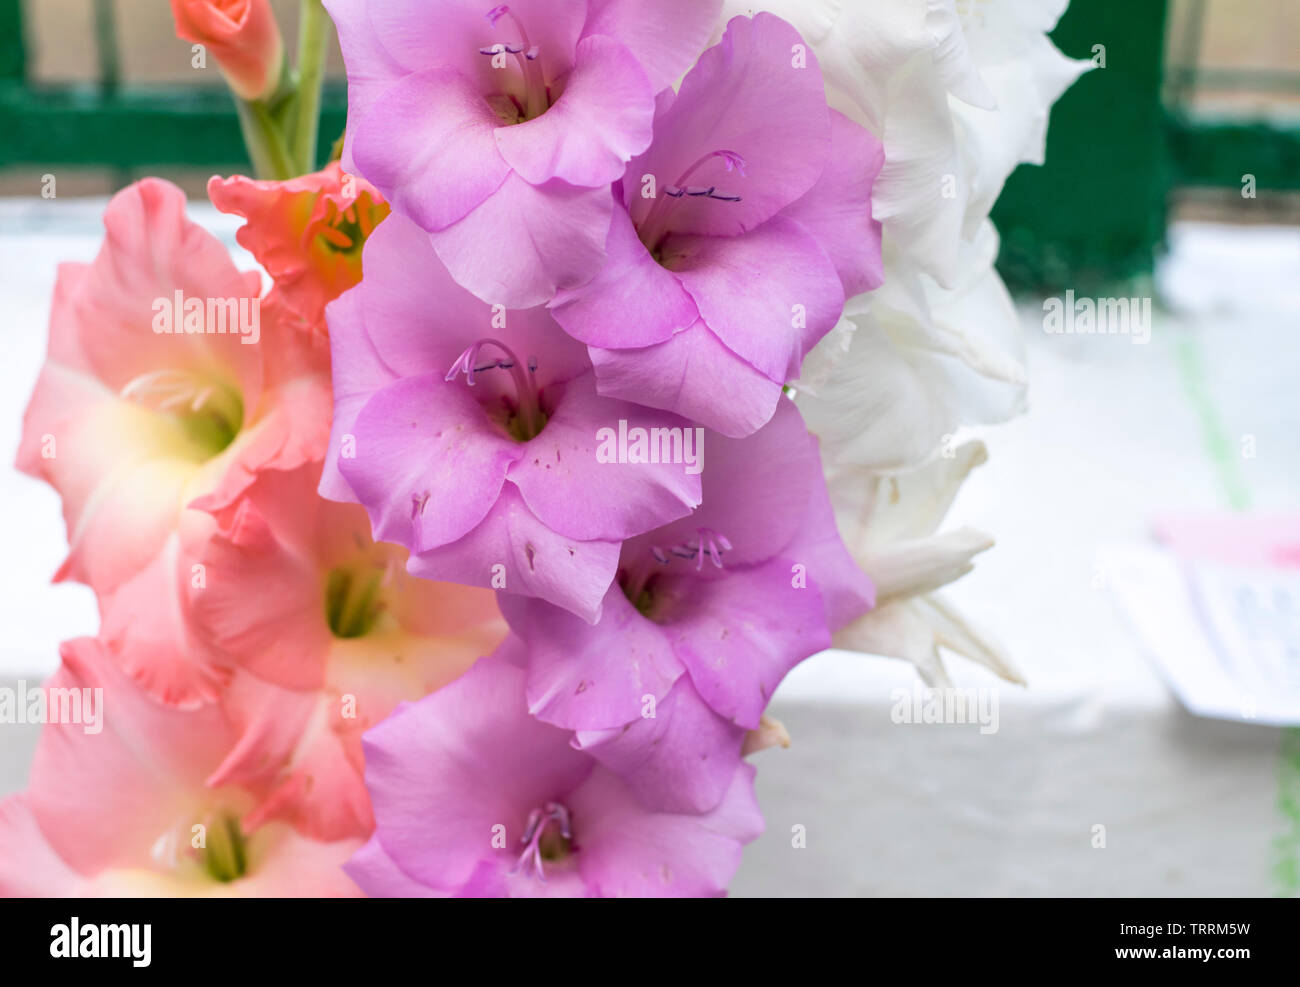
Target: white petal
[896,630]
[922,362]
[911,568]
[953,632]
[876,510]
[994,143]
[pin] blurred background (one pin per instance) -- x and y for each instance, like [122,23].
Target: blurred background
[1142,196]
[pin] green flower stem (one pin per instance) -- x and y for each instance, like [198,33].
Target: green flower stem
[312,34]
[264,140]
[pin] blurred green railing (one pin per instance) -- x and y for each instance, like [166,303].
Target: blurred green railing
[111,125]
[1122,139]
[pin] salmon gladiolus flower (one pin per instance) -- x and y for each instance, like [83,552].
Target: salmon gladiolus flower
[242,36]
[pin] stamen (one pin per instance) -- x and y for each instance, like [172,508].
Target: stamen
[699,191]
[210,411]
[529,405]
[537,99]
[708,543]
[538,822]
[654,227]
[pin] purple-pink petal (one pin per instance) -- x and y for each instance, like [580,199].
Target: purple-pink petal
[583,677]
[632,301]
[429,464]
[533,560]
[627,851]
[442,772]
[837,210]
[568,488]
[769,314]
[427,143]
[693,375]
[602,118]
[679,757]
[748,94]
[741,634]
[525,241]
[665,36]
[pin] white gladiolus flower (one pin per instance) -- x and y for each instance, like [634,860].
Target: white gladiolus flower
[959,92]
[912,362]
[889,522]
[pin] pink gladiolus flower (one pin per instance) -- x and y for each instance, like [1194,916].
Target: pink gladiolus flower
[498,128]
[307,232]
[706,617]
[470,434]
[242,36]
[746,224]
[123,806]
[166,381]
[334,634]
[475,798]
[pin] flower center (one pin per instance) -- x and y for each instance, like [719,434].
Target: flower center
[638,582]
[225,857]
[708,544]
[654,227]
[544,841]
[209,414]
[536,98]
[524,417]
[353,601]
[343,229]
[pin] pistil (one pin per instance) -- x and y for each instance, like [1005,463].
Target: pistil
[655,225]
[541,841]
[529,413]
[536,99]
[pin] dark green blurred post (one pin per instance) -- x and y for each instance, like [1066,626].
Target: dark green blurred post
[1095,212]
[13,56]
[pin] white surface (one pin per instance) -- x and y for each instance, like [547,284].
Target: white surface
[1112,439]
[1221,659]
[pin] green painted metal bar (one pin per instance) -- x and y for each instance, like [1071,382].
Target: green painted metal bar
[1183,77]
[137,128]
[106,47]
[13,52]
[1221,153]
[1237,80]
[1095,212]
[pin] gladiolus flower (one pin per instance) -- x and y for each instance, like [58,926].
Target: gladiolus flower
[498,128]
[706,617]
[690,312]
[475,798]
[307,232]
[242,36]
[128,810]
[471,435]
[333,634]
[165,382]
